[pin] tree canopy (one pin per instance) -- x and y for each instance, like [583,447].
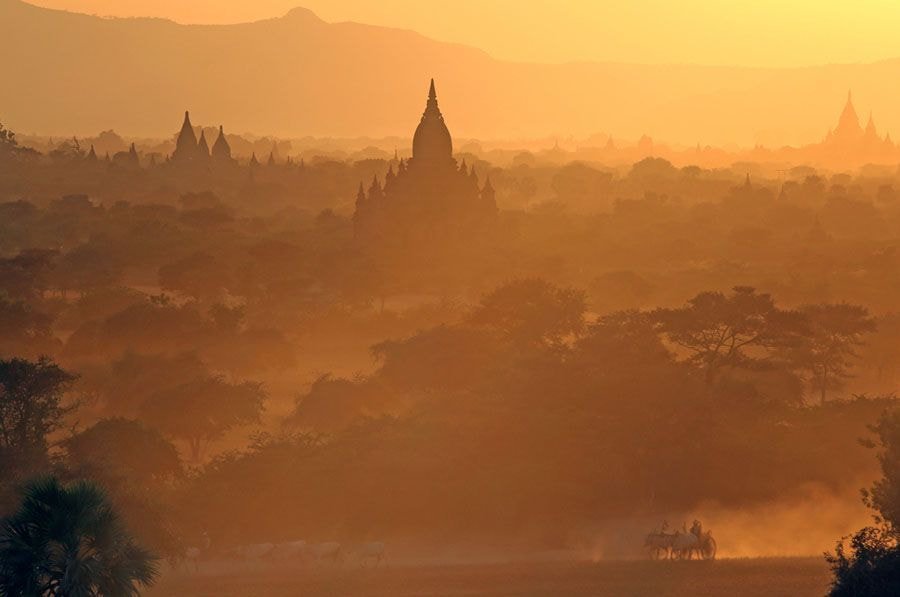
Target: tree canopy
[68,540]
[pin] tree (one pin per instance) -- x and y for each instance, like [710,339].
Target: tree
[199,275]
[884,495]
[871,566]
[31,408]
[88,267]
[141,455]
[68,150]
[24,331]
[228,319]
[533,312]
[622,337]
[653,172]
[582,186]
[8,143]
[138,468]
[442,358]
[828,351]
[203,410]
[332,404]
[68,541]
[126,383]
[153,326]
[24,276]
[880,352]
[718,330]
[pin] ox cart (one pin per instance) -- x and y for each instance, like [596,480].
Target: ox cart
[681,545]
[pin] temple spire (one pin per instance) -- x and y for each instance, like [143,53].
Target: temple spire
[432,142]
[488,194]
[848,128]
[202,146]
[870,126]
[221,150]
[186,144]
[432,105]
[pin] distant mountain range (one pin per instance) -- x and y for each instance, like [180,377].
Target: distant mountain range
[66,73]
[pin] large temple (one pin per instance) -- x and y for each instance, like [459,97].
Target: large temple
[429,195]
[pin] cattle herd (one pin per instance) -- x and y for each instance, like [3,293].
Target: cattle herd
[683,544]
[329,552]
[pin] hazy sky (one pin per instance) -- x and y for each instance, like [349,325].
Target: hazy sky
[732,32]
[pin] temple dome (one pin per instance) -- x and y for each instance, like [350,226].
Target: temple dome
[432,142]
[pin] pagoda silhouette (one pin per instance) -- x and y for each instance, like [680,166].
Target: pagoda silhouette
[849,142]
[190,151]
[429,197]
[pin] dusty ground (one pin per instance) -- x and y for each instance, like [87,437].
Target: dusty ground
[785,577]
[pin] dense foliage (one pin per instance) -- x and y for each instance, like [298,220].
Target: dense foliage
[65,541]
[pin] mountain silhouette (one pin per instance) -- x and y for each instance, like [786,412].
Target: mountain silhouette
[297,75]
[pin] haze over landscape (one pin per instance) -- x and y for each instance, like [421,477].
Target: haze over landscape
[298,75]
[534,299]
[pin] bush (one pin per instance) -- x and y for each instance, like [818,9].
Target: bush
[871,567]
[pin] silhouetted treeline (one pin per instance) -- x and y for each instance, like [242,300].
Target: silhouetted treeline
[621,344]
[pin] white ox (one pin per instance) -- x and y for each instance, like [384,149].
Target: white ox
[330,550]
[685,544]
[255,551]
[370,552]
[192,555]
[290,550]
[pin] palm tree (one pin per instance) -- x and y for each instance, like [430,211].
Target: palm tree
[68,541]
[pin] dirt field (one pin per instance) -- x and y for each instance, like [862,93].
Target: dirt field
[786,577]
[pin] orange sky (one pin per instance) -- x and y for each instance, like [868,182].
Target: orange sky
[732,32]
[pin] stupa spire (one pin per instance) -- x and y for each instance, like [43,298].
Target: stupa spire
[848,127]
[870,126]
[203,146]
[432,142]
[220,149]
[186,144]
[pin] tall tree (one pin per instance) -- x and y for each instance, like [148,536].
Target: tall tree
[827,353]
[68,541]
[23,330]
[31,408]
[24,276]
[8,143]
[203,410]
[871,566]
[718,330]
[532,311]
[884,495]
[139,475]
